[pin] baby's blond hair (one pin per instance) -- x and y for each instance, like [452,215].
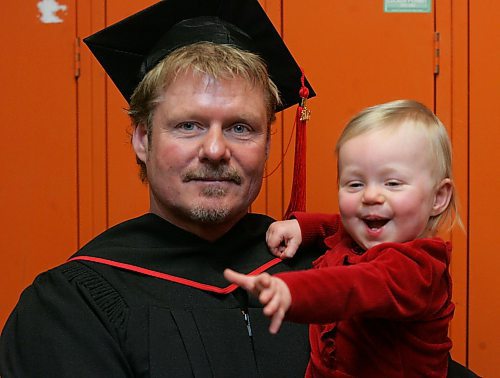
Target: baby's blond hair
[409,112]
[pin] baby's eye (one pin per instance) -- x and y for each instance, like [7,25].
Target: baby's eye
[393,183]
[354,184]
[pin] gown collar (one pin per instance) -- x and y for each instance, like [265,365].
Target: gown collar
[152,246]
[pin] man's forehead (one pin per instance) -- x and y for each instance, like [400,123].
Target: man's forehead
[221,91]
[203,79]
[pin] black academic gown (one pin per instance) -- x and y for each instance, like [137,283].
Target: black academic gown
[89,319]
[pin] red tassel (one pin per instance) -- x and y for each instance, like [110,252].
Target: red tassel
[298,195]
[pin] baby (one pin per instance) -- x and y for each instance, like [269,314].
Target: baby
[379,299]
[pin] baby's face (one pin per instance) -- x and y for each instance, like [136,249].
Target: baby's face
[386,185]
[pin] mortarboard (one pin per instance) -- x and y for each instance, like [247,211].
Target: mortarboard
[132,46]
[128,49]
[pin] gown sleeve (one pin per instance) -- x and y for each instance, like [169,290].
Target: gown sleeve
[58,329]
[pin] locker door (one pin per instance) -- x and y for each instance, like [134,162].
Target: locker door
[355,55]
[484,186]
[38,196]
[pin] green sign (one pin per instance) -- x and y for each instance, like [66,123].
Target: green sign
[407,6]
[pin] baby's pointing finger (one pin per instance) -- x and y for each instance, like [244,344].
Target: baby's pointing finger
[246,282]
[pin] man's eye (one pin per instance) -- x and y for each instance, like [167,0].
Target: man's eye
[187,126]
[240,129]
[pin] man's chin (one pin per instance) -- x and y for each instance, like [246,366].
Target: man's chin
[210,215]
[215,190]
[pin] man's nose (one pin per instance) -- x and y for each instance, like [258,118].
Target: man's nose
[373,194]
[215,145]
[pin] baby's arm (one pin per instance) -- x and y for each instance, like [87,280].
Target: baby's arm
[271,291]
[305,229]
[283,238]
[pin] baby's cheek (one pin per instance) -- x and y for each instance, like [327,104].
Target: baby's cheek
[347,205]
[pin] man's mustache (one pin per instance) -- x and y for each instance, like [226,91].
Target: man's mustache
[220,173]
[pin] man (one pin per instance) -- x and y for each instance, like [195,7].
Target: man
[147,298]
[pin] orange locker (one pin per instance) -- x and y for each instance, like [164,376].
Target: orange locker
[484,185]
[39,189]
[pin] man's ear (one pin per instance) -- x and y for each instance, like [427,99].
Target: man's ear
[442,197]
[140,142]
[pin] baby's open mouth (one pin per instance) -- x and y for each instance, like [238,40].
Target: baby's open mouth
[375,224]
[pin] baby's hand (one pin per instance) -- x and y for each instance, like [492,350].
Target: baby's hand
[271,291]
[283,238]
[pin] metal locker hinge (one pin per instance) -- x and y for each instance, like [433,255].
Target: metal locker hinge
[437,52]
[77,57]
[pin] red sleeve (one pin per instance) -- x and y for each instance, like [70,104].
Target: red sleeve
[315,227]
[403,283]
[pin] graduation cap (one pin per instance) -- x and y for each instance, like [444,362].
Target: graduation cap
[128,49]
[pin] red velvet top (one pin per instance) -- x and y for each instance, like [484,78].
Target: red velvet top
[383,312]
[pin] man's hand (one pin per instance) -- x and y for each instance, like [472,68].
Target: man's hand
[271,291]
[283,238]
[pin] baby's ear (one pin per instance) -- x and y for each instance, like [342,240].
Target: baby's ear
[442,197]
